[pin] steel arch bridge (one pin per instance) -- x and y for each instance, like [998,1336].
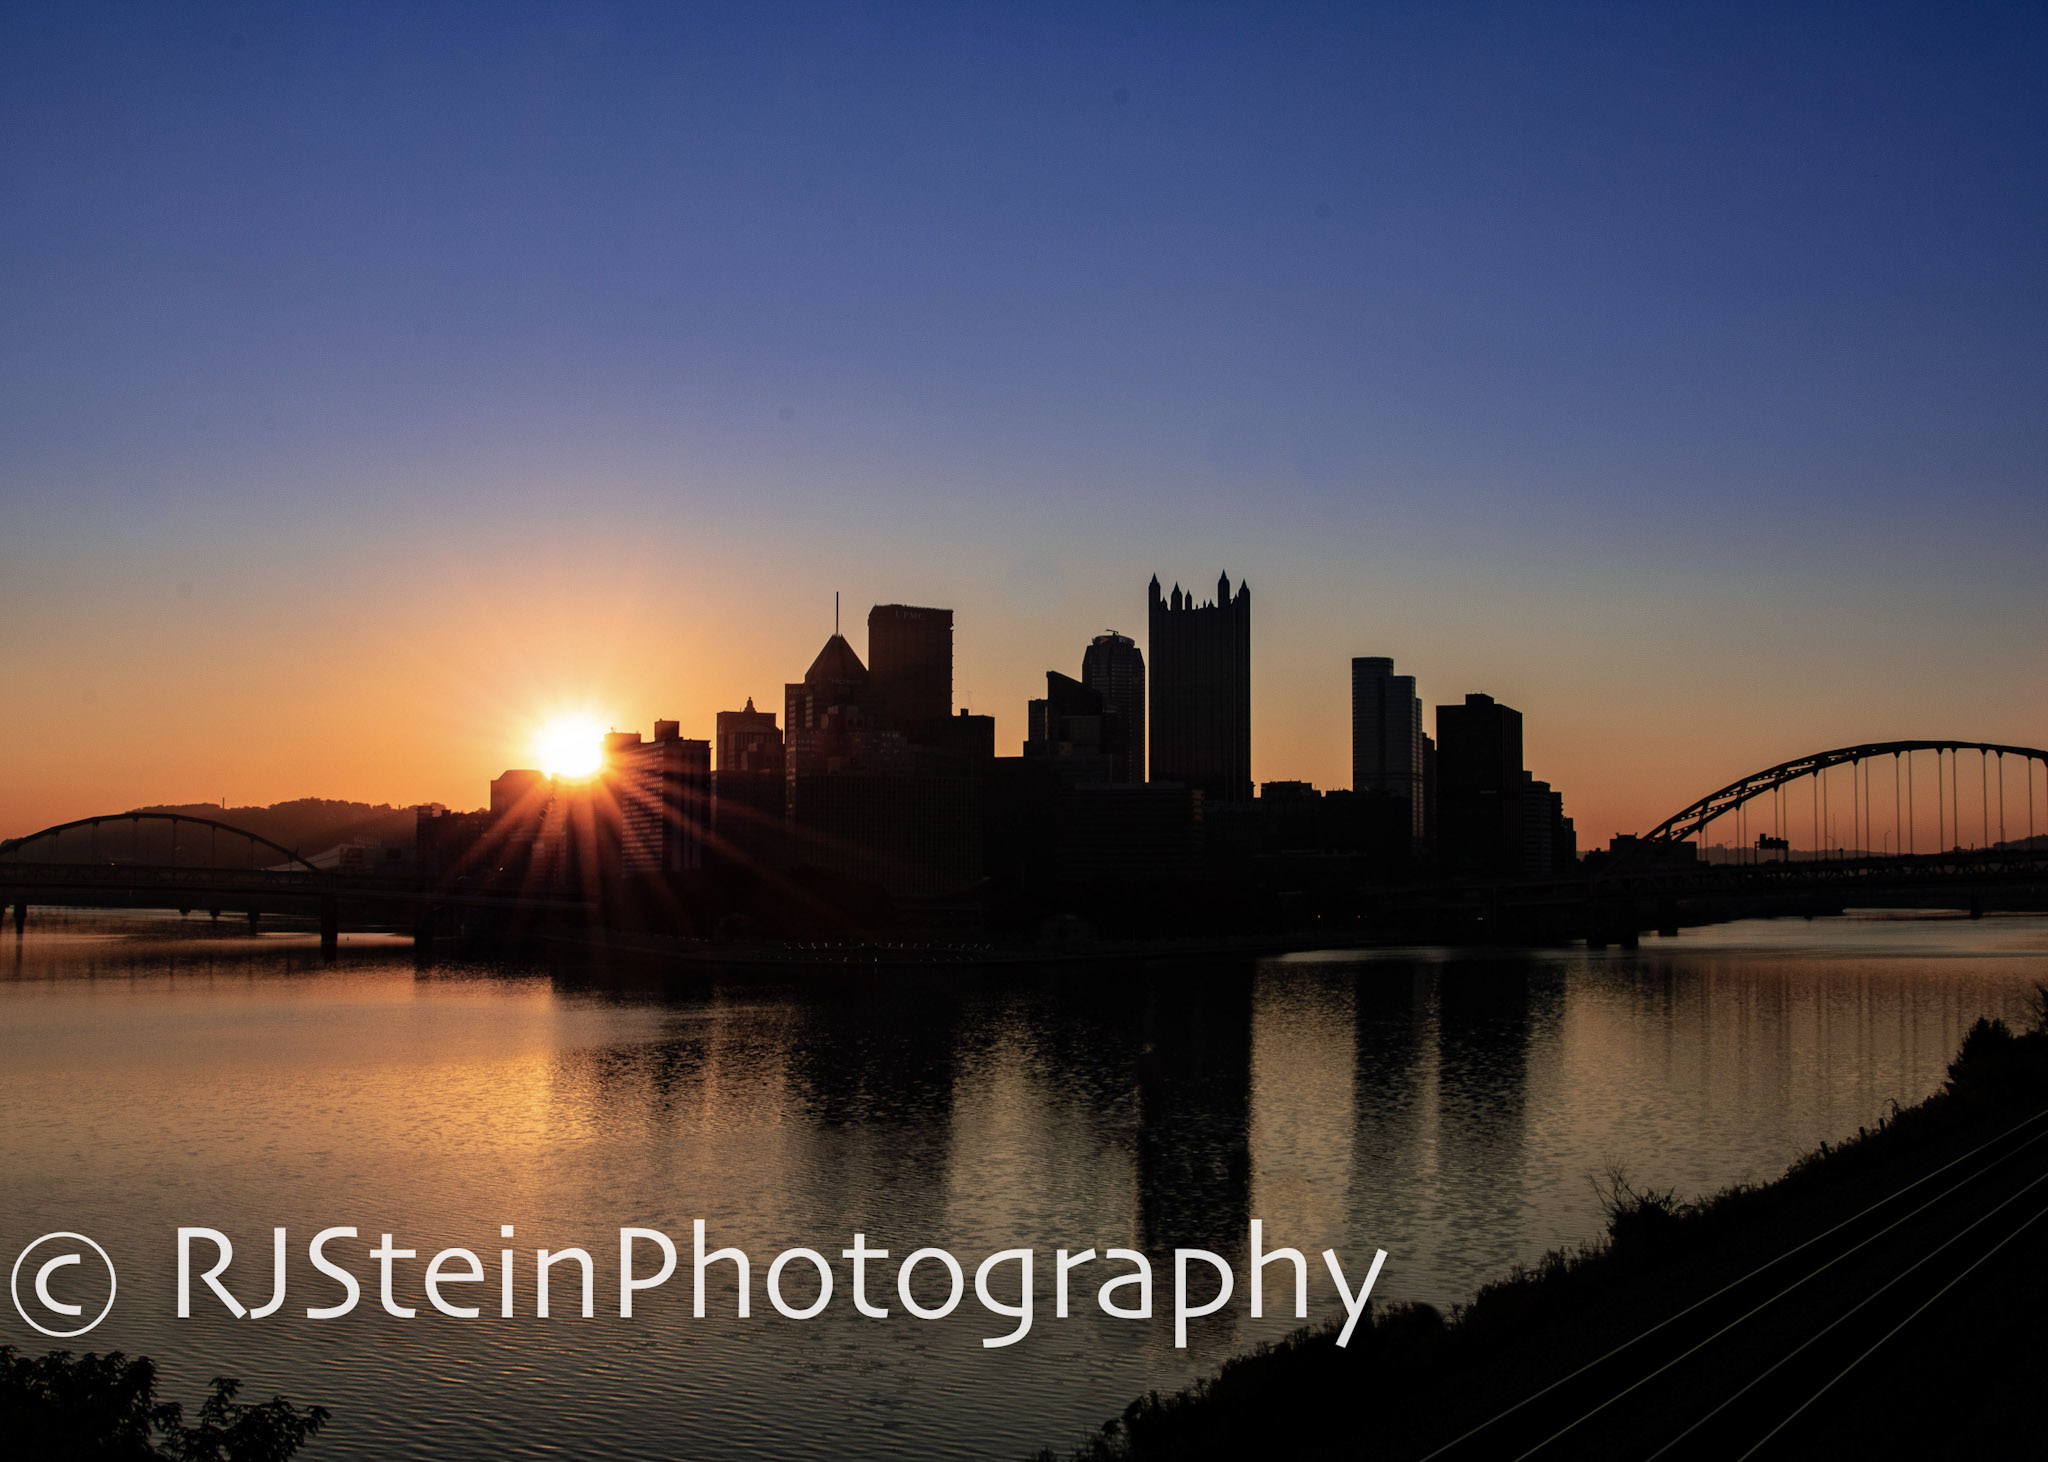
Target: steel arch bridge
[10,850]
[1692,820]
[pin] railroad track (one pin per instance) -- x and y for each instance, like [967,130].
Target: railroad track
[1757,1367]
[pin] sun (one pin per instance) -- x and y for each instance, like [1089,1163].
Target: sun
[569,746]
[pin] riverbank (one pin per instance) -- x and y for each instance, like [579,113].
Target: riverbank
[1878,1300]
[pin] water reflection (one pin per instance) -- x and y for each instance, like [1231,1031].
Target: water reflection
[1446,1107]
[1194,1112]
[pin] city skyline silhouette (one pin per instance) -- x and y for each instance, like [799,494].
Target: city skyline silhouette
[379,385]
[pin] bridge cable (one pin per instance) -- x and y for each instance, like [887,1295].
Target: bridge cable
[1738,1282]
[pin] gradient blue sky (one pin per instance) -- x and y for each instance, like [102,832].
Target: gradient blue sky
[375,380]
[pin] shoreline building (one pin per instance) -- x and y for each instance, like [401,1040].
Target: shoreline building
[837,688]
[1550,844]
[1201,692]
[1114,668]
[1071,728]
[1479,789]
[864,801]
[1386,738]
[749,793]
[660,793]
[749,741]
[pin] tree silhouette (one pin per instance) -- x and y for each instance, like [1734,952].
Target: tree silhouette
[103,1408]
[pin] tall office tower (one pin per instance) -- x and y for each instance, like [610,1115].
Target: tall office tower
[659,797]
[1550,845]
[1429,812]
[748,794]
[863,800]
[1386,735]
[1201,697]
[1479,789]
[1114,668]
[1071,728]
[836,681]
[910,657]
[748,741]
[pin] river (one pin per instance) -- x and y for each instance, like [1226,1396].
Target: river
[1452,1107]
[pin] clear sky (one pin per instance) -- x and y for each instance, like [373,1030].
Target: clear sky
[375,381]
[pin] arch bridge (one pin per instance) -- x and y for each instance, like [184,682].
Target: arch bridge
[11,848]
[1866,818]
[88,863]
[93,862]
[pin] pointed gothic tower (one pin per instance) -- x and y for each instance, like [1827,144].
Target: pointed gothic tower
[1200,703]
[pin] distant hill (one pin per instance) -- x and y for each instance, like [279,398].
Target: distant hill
[308,825]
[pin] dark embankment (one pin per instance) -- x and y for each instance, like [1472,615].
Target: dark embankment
[1882,1299]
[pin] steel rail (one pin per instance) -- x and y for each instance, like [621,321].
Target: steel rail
[1755,1273]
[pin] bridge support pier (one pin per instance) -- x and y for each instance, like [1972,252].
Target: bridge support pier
[1612,921]
[20,914]
[330,924]
[423,924]
[253,917]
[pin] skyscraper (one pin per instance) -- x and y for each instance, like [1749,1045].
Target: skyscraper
[1114,668]
[659,797]
[1550,844]
[864,801]
[1479,788]
[910,657]
[1386,735]
[1071,728]
[836,683]
[748,741]
[748,791]
[1201,698]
